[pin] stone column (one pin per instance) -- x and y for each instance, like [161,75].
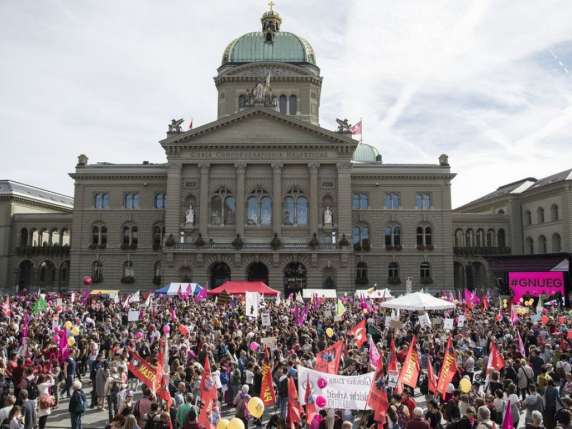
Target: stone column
[314,199]
[173,210]
[343,216]
[204,199]
[240,194]
[277,197]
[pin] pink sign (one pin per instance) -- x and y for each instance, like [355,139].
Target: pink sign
[535,284]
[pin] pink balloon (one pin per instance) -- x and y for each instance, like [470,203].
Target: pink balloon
[87,280]
[139,335]
[166,329]
[321,401]
[253,346]
[322,382]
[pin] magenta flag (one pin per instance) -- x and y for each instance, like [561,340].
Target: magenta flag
[374,356]
[507,422]
[521,348]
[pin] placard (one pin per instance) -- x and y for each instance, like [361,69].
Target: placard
[133,316]
[265,319]
[340,392]
[270,342]
[448,324]
[461,321]
[251,304]
[395,324]
[392,377]
[424,320]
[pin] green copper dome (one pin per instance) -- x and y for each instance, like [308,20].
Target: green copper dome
[253,47]
[365,153]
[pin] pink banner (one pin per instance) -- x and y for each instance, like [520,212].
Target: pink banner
[535,284]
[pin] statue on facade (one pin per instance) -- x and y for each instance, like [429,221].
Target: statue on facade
[190,214]
[175,126]
[328,216]
[344,126]
[261,94]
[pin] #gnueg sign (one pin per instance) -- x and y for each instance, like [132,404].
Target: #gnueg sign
[339,391]
[535,284]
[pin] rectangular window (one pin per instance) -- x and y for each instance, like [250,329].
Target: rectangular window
[392,200]
[423,200]
[360,201]
[131,200]
[101,200]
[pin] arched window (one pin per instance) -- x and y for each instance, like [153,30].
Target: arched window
[97,271]
[469,238]
[223,207]
[241,102]
[158,236]
[424,237]
[128,271]
[501,238]
[392,235]
[54,237]
[160,201]
[554,215]
[459,238]
[44,237]
[283,104]
[393,273]
[392,200]
[23,237]
[47,273]
[529,246]
[480,237]
[35,237]
[541,244]
[259,207]
[295,207]
[361,273]
[556,242]
[490,238]
[425,272]
[64,274]
[130,237]
[98,236]
[360,236]
[428,236]
[293,105]
[528,217]
[540,215]
[157,273]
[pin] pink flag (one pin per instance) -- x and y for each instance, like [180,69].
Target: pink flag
[357,128]
[374,356]
[507,422]
[513,316]
[521,349]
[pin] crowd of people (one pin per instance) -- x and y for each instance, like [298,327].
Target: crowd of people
[91,367]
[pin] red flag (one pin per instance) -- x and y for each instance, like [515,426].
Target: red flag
[485,302]
[309,401]
[410,369]
[356,129]
[143,370]
[448,369]
[294,409]
[266,390]
[328,360]
[495,359]
[208,394]
[432,381]
[377,397]
[191,125]
[162,376]
[359,333]
[392,365]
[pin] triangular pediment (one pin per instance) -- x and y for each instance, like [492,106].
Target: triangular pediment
[258,126]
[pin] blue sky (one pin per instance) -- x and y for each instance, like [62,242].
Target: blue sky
[487,82]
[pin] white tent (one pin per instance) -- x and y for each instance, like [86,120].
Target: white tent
[319,293]
[374,294]
[418,301]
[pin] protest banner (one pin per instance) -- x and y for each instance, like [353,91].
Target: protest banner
[133,315]
[270,342]
[340,392]
[265,319]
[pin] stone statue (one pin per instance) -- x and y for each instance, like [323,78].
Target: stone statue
[258,93]
[344,126]
[175,126]
[328,216]
[190,215]
[261,94]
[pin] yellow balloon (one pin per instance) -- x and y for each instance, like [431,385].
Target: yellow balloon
[75,331]
[68,325]
[235,423]
[222,424]
[329,332]
[465,385]
[255,407]
[71,341]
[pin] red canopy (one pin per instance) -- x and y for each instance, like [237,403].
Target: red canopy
[239,288]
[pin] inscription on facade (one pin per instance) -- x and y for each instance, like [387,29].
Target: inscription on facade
[191,185]
[232,156]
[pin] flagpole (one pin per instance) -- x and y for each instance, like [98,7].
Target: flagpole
[361,135]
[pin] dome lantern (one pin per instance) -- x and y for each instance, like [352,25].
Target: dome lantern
[270,23]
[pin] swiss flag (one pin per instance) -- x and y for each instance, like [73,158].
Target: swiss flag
[377,398]
[359,333]
[328,360]
[496,360]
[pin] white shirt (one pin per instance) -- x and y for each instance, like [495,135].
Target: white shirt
[249,376]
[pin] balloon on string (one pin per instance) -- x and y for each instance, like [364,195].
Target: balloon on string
[75,331]
[255,407]
[254,346]
[465,385]
[139,335]
[235,423]
[71,341]
[329,332]
[184,331]
[68,325]
[222,424]
[166,329]
[87,280]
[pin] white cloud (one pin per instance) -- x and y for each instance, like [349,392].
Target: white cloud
[487,82]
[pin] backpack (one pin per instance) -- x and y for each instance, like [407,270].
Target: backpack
[235,377]
[77,403]
[33,391]
[242,407]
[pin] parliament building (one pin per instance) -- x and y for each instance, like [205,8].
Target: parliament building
[263,193]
